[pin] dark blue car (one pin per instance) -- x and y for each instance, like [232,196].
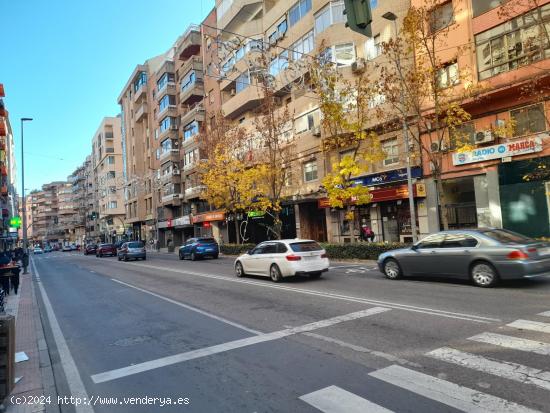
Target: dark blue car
[196,248]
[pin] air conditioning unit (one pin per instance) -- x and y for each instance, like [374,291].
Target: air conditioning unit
[358,66]
[485,136]
[173,126]
[316,131]
[435,147]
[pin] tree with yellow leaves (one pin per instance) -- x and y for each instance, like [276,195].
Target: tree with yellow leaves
[347,114]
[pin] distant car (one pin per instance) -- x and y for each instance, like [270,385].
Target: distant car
[66,248]
[73,247]
[283,258]
[105,249]
[484,256]
[90,249]
[48,248]
[195,248]
[37,250]
[132,250]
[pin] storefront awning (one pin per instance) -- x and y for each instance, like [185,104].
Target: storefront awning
[386,194]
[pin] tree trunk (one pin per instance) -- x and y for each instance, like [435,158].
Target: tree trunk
[236,228]
[442,203]
[277,224]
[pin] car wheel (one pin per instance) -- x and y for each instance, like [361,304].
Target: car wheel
[126,258]
[275,273]
[239,270]
[100,255]
[180,255]
[144,258]
[483,275]
[119,258]
[392,270]
[215,256]
[316,275]
[193,257]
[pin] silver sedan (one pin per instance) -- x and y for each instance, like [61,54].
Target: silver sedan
[484,256]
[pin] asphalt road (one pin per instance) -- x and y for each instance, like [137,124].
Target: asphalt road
[349,342]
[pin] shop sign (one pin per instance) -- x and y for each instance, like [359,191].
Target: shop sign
[256,214]
[504,150]
[181,221]
[386,194]
[209,216]
[389,176]
[206,224]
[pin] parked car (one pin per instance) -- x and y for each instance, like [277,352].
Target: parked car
[283,258]
[66,248]
[119,244]
[37,250]
[105,249]
[90,249]
[132,250]
[48,248]
[73,247]
[195,248]
[56,247]
[484,256]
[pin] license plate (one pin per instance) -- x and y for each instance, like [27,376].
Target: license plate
[544,251]
[310,258]
[209,249]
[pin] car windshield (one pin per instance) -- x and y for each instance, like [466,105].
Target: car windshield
[507,237]
[305,246]
[206,240]
[106,245]
[135,245]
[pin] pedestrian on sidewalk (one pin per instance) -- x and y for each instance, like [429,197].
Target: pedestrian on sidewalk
[14,278]
[25,261]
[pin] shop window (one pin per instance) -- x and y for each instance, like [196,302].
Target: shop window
[448,76]
[310,171]
[529,119]
[391,149]
[441,16]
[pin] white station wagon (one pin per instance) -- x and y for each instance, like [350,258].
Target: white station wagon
[283,258]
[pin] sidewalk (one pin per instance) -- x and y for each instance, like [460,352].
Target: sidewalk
[36,375]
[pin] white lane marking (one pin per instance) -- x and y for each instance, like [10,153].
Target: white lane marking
[231,345]
[545,314]
[530,325]
[74,381]
[507,370]
[361,349]
[445,392]
[404,307]
[513,343]
[188,307]
[333,399]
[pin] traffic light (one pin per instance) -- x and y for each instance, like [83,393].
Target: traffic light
[358,16]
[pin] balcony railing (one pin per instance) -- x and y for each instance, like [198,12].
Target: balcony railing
[194,191]
[170,154]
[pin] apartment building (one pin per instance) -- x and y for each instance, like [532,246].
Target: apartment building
[91,202]
[108,179]
[501,182]
[8,193]
[45,213]
[29,217]
[78,184]
[140,137]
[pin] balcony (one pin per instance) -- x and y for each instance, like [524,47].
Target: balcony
[233,12]
[194,191]
[171,177]
[142,112]
[140,94]
[172,196]
[237,103]
[195,112]
[193,92]
[190,166]
[173,128]
[190,43]
[168,89]
[170,110]
[171,155]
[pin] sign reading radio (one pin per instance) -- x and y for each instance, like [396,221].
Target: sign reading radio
[504,150]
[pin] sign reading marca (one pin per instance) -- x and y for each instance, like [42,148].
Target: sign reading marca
[504,150]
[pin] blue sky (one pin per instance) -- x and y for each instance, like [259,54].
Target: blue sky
[64,63]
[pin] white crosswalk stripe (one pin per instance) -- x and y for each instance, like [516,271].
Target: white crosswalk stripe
[333,399]
[508,370]
[531,325]
[513,343]
[445,392]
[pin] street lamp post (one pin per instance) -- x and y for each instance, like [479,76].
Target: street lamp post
[393,18]
[25,243]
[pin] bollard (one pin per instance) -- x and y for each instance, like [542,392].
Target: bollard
[7,355]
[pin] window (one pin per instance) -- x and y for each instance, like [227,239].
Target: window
[164,80]
[453,240]
[111,175]
[242,82]
[303,46]
[166,145]
[157,153]
[464,134]
[481,6]
[505,236]
[448,75]
[518,42]
[342,54]
[305,246]
[111,160]
[188,80]
[391,149]
[112,205]
[333,13]
[529,119]
[190,130]
[310,171]
[373,47]
[166,123]
[307,121]
[431,241]
[279,64]
[168,100]
[190,157]
[373,4]
[298,11]
[441,16]
[278,33]
[140,81]
[377,100]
